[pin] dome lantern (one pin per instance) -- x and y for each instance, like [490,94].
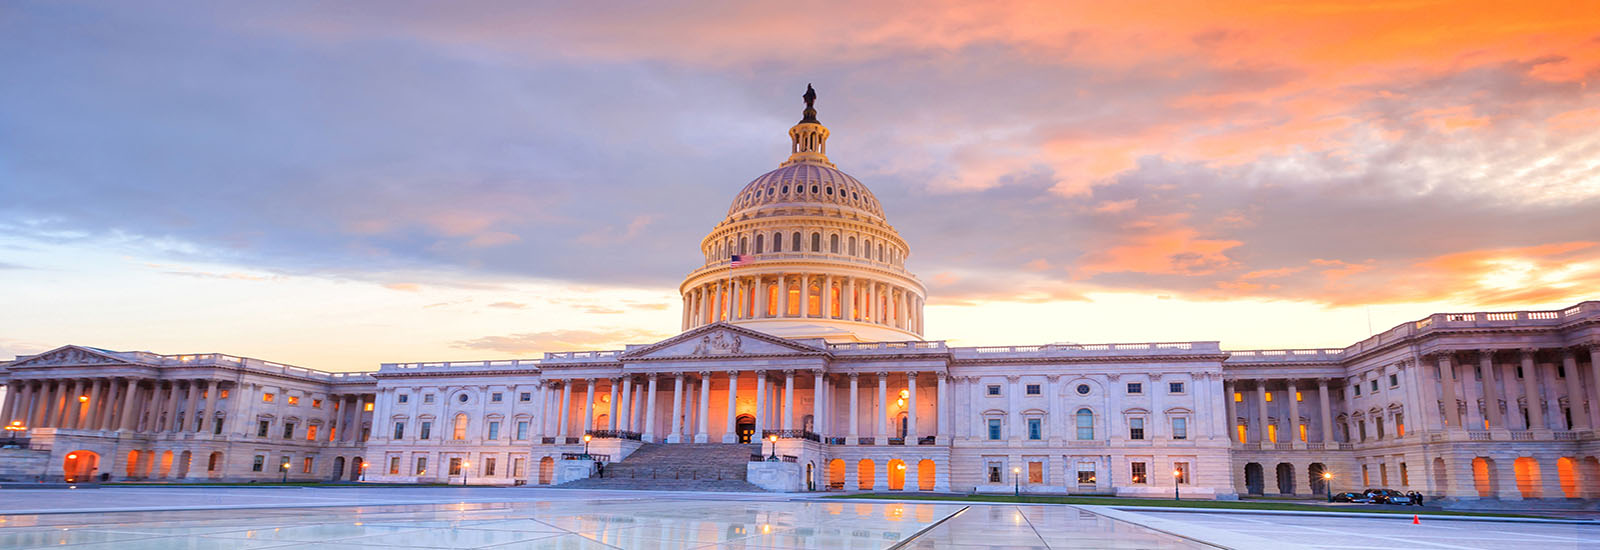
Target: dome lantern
[808,140]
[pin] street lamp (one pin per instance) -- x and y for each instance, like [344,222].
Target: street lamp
[285,469]
[774,439]
[1016,479]
[1327,483]
[364,471]
[14,427]
[586,438]
[465,465]
[1177,476]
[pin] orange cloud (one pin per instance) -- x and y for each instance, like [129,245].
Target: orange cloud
[1160,245]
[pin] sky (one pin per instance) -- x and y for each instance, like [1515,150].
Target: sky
[339,184]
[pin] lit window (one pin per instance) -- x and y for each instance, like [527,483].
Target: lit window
[316,403]
[1269,397]
[222,395]
[394,465]
[268,397]
[294,400]
[455,466]
[1035,472]
[311,432]
[1302,432]
[305,465]
[367,407]
[1272,433]
[1298,396]
[460,429]
[1238,397]
[1183,472]
[1085,473]
[422,466]
[1139,476]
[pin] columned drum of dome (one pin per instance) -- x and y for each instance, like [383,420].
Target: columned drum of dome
[818,259]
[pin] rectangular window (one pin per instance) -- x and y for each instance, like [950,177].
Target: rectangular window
[1298,396]
[305,466]
[1302,433]
[288,430]
[1362,426]
[1034,431]
[1175,387]
[294,401]
[399,430]
[1268,396]
[994,389]
[1394,380]
[1036,473]
[311,432]
[494,397]
[494,431]
[422,466]
[1358,389]
[1085,426]
[223,395]
[994,429]
[283,464]
[488,466]
[1139,476]
[427,398]
[1085,473]
[1182,469]
[1136,428]
[525,397]
[1243,430]
[519,467]
[455,467]
[262,427]
[427,430]
[402,398]
[1032,389]
[522,430]
[1400,425]
[1135,387]
[394,465]
[1405,477]
[1180,428]
[216,427]
[1272,433]
[994,473]
[367,407]
[259,462]
[316,403]
[1374,386]
[1366,478]
[268,397]
[1238,397]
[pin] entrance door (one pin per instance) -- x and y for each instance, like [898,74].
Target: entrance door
[746,427]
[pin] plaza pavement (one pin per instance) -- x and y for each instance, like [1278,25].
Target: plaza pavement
[176,517]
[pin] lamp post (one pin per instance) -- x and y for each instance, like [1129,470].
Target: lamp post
[285,469]
[586,438]
[1016,482]
[14,427]
[1327,483]
[1177,476]
[466,465]
[364,471]
[774,439]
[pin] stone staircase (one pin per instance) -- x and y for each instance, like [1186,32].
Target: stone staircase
[677,467]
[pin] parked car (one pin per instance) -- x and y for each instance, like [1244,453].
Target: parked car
[1359,498]
[1391,496]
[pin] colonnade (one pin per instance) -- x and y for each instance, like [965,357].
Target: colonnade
[1276,404]
[636,405]
[1515,389]
[803,296]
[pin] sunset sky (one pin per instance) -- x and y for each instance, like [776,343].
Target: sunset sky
[338,184]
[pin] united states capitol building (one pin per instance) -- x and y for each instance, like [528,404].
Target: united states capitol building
[801,367]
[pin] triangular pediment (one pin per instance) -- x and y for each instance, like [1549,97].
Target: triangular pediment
[721,340]
[71,356]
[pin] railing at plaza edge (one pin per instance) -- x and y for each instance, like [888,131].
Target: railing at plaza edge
[614,434]
[792,434]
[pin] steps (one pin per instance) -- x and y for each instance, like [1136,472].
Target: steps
[677,467]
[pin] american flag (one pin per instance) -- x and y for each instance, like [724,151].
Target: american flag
[737,261]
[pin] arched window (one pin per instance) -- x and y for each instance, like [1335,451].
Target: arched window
[717,252]
[760,240]
[1085,424]
[880,252]
[777,242]
[796,242]
[833,244]
[744,243]
[852,246]
[866,251]
[816,242]
[460,431]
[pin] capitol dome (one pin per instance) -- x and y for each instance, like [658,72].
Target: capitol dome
[817,256]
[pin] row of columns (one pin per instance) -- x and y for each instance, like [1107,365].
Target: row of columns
[120,404]
[774,410]
[860,299]
[1472,388]
[1257,398]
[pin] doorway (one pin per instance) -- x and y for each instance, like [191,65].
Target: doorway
[746,426]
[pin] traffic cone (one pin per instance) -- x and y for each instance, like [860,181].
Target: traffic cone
[1416,520]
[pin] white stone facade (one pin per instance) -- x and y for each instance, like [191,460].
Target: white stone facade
[815,337]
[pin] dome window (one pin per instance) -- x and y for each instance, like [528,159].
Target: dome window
[813,189]
[785,189]
[856,196]
[830,191]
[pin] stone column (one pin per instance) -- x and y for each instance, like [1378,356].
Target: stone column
[561,415]
[676,433]
[761,404]
[623,419]
[1594,383]
[1261,410]
[730,432]
[1294,416]
[1508,376]
[1469,391]
[716,302]
[66,417]
[825,301]
[1231,410]
[194,407]
[97,393]
[805,298]
[911,407]
[17,397]
[847,299]
[941,403]
[13,395]
[611,408]
[783,296]
[112,404]
[588,406]
[212,389]
[1569,363]
[1327,412]
[855,411]
[1530,383]
[175,404]
[702,432]
[650,410]
[817,412]
[1491,394]
[788,398]
[882,433]
[1547,380]
[1447,377]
